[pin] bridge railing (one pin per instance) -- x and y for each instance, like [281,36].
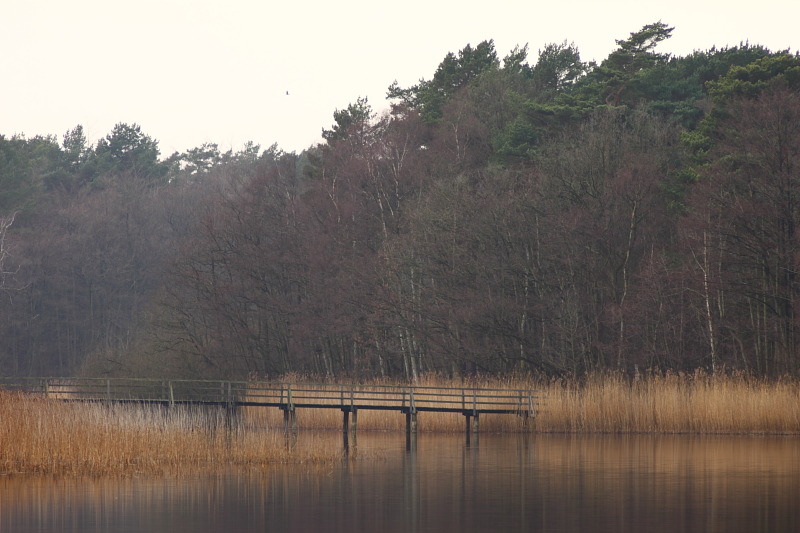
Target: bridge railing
[410,399]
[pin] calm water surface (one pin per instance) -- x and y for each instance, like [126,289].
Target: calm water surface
[500,483]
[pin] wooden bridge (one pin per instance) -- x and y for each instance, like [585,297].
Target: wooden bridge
[289,397]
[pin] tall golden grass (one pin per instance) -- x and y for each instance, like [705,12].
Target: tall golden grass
[697,403]
[40,435]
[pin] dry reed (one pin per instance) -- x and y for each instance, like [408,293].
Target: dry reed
[39,435]
[697,403]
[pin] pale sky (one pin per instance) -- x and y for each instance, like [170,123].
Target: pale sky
[190,72]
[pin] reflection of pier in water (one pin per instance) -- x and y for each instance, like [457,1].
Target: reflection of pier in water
[290,397]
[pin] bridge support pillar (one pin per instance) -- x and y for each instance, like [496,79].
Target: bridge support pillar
[472,425]
[411,431]
[289,419]
[473,422]
[347,425]
[526,421]
[411,422]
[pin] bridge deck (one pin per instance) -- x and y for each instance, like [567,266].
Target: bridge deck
[349,398]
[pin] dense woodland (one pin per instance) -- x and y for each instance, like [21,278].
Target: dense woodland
[533,213]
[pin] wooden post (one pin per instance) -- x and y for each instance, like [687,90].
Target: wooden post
[475,424]
[411,431]
[475,402]
[293,413]
[411,423]
[412,409]
[355,421]
[289,419]
[346,430]
[171,396]
[289,414]
[531,409]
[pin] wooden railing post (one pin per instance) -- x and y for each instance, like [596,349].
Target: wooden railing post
[289,414]
[531,411]
[475,412]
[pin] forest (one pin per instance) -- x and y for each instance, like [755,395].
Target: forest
[533,213]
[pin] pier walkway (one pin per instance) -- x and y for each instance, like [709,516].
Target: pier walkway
[289,397]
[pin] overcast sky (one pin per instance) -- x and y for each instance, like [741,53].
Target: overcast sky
[195,71]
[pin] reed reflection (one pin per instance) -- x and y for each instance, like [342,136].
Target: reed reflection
[504,483]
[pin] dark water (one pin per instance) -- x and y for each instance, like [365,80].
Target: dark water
[501,483]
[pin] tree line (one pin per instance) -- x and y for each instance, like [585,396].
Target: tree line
[506,215]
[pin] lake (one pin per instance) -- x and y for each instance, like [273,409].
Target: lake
[531,483]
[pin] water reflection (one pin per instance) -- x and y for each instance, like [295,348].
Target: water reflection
[501,483]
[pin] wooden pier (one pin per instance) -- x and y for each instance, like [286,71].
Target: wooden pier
[290,397]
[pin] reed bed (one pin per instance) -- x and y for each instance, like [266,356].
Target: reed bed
[698,403]
[39,435]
